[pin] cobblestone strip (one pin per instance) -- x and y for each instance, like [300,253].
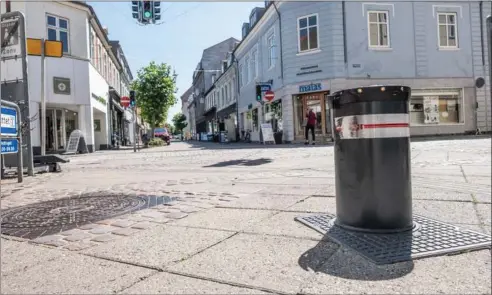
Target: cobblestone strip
[104,231]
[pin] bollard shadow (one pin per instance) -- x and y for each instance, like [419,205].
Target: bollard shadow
[337,260]
[255,162]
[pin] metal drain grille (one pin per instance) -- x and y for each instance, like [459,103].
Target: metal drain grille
[431,238]
[47,218]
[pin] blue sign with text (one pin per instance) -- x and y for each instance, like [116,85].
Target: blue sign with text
[310,87]
[8,125]
[265,87]
[10,146]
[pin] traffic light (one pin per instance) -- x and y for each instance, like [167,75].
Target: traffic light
[135,10]
[147,10]
[157,10]
[132,98]
[258,92]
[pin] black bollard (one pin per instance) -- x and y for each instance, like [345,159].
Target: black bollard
[372,159]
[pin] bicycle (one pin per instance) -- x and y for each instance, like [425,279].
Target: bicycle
[247,136]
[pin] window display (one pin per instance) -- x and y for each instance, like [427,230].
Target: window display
[431,107]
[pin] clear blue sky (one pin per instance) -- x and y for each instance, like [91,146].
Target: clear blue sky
[188,28]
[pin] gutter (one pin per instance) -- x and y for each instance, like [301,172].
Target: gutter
[281,44]
[482,43]
[344,24]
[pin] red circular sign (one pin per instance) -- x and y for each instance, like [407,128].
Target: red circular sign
[125,101]
[269,95]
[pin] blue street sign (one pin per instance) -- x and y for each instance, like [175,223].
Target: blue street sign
[8,121]
[10,146]
[266,87]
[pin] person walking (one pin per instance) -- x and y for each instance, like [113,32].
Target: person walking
[310,125]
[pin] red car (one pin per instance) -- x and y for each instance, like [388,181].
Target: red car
[163,134]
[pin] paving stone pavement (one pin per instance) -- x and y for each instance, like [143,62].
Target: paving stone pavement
[231,228]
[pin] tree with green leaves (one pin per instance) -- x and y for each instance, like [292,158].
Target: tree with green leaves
[179,122]
[155,88]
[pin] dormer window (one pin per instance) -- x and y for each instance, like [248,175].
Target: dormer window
[252,20]
[224,66]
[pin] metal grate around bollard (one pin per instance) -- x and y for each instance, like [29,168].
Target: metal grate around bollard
[372,158]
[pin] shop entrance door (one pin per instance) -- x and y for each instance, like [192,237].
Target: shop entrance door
[55,127]
[315,101]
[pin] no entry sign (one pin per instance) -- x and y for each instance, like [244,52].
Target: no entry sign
[269,95]
[125,101]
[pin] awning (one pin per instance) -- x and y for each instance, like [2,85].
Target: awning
[117,106]
[227,111]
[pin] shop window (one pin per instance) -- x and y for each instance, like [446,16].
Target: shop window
[247,121]
[431,107]
[273,115]
[254,118]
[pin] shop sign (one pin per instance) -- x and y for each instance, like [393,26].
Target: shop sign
[310,87]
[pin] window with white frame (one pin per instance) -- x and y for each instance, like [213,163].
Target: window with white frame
[254,64]
[308,35]
[226,94]
[58,30]
[223,98]
[241,76]
[447,30]
[378,27]
[104,62]
[271,50]
[99,56]
[436,106]
[247,74]
[91,47]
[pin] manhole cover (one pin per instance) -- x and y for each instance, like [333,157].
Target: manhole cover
[47,218]
[429,238]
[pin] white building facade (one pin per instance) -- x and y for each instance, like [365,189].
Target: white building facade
[225,93]
[306,51]
[76,85]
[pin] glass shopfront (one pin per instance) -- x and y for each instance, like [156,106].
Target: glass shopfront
[59,124]
[436,107]
[319,104]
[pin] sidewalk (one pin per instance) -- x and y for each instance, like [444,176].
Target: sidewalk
[232,230]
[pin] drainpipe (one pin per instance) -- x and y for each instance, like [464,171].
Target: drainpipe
[236,68]
[482,42]
[344,23]
[489,38]
[281,47]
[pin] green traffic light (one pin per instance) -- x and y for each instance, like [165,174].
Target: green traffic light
[147,14]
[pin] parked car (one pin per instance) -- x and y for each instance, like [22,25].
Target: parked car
[163,134]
